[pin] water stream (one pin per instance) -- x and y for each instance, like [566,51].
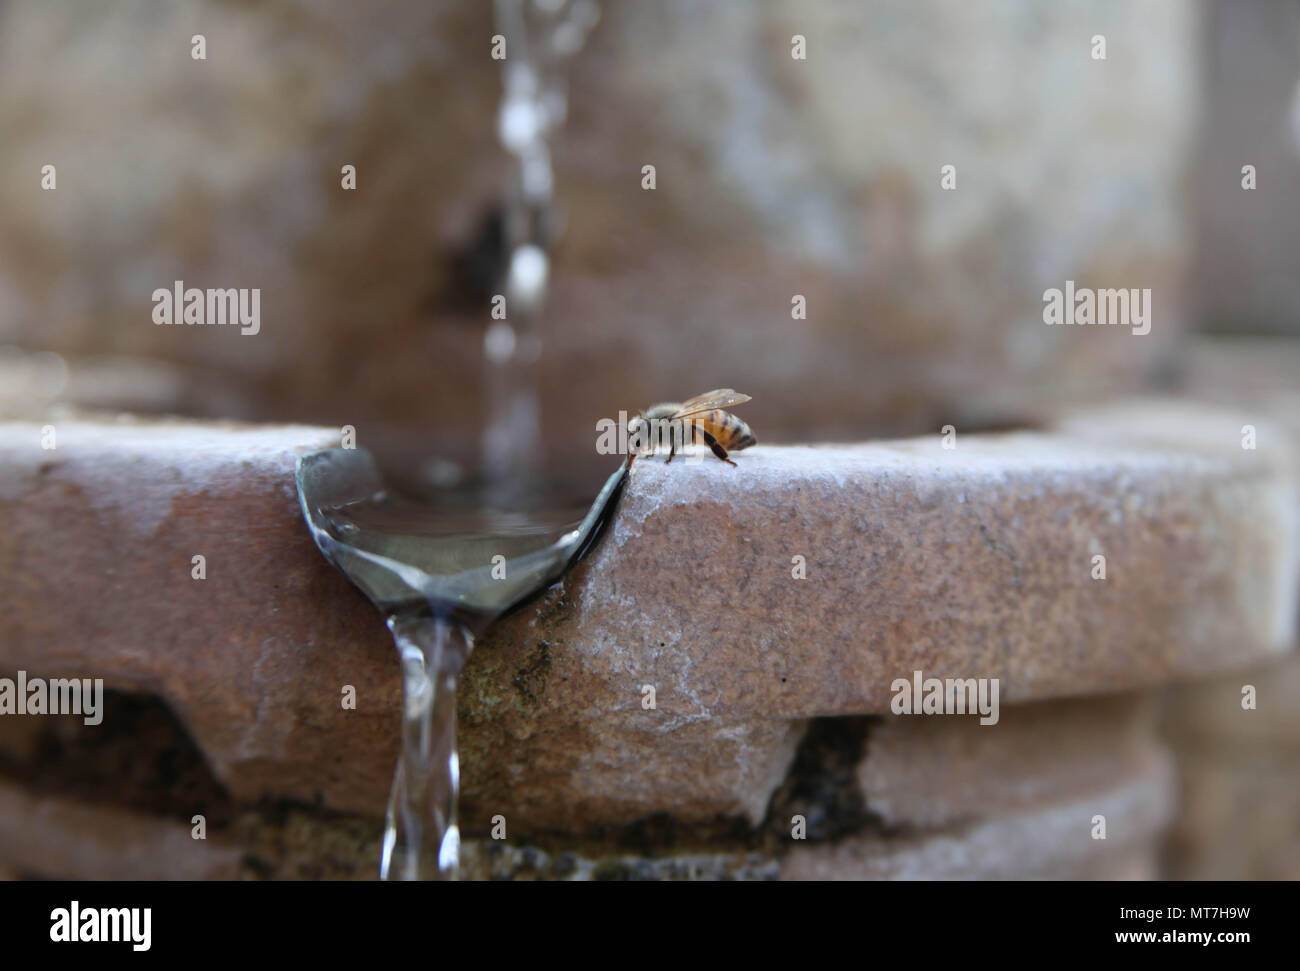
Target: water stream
[421,837]
[440,568]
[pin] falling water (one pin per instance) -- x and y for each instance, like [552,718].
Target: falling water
[440,568]
[540,36]
[421,838]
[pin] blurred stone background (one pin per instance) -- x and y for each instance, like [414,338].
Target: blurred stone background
[776,177]
[1247,265]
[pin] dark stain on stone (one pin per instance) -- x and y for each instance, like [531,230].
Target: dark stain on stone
[140,758]
[823,784]
[566,865]
[660,833]
[553,610]
[530,677]
[653,837]
[259,868]
[623,870]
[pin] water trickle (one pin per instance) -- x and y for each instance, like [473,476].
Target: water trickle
[421,838]
[443,569]
[541,36]
[440,568]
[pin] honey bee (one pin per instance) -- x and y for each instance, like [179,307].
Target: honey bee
[701,418]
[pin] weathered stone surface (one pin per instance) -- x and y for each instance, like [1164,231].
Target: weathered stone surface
[97,555]
[57,838]
[1239,771]
[486,860]
[1240,816]
[936,771]
[966,563]
[1051,841]
[1209,714]
[972,562]
[50,837]
[253,659]
[555,736]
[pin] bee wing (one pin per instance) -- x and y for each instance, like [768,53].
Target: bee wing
[721,398]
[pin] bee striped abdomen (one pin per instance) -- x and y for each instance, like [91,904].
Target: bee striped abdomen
[727,430]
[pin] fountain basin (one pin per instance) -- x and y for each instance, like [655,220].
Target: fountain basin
[971,562]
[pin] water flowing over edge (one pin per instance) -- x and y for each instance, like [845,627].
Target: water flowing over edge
[421,835]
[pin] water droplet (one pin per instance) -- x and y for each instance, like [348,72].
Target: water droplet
[526,283]
[520,124]
[499,342]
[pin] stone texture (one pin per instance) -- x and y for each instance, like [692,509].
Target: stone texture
[1209,714]
[1240,776]
[97,560]
[1256,377]
[253,659]
[936,771]
[1051,841]
[554,736]
[485,860]
[56,838]
[1240,770]
[970,563]
[1239,819]
[775,177]
[50,837]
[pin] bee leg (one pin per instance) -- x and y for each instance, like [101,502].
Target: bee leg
[678,435]
[718,450]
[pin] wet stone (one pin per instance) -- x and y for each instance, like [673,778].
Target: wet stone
[970,562]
